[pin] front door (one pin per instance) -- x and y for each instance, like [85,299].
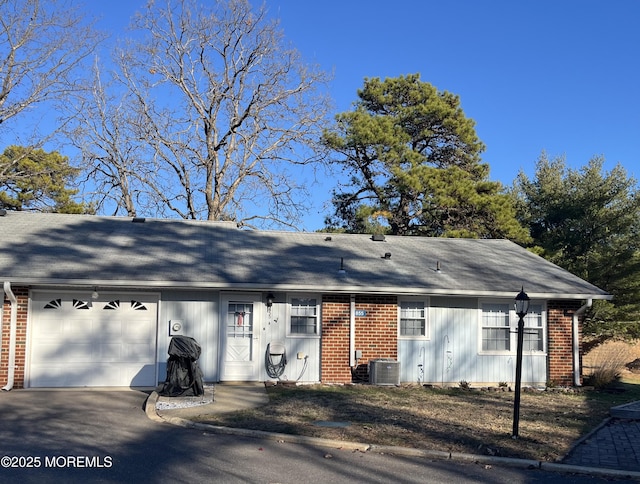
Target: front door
[241,339]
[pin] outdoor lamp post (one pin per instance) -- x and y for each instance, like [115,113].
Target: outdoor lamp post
[522,307]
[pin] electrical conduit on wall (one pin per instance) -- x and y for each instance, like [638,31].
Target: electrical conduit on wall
[13,328]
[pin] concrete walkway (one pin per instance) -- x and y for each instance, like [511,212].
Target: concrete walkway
[226,397]
[615,444]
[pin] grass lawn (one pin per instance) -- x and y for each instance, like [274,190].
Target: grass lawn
[454,420]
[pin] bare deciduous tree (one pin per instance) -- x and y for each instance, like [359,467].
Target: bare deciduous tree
[225,110]
[42,46]
[114,167]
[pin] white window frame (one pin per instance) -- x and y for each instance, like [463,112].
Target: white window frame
[290,298]
[540,326]
[508,327]
[427,328]
[513,327]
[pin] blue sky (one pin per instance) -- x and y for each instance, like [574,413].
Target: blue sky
[559,76]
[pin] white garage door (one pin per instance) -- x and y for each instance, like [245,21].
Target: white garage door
[77,341]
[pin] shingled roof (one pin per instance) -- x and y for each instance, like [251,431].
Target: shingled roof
[41,249]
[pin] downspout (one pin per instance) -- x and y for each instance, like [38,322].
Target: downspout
[11,369]
[352,331]
[576,341]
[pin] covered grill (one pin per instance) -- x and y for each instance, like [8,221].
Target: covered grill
[184,377]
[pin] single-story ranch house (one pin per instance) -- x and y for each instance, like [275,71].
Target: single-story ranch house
[94,301]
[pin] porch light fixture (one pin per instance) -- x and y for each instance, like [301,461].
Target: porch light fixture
[270,298]
[522,308]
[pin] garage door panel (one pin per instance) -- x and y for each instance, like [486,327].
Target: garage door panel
[108,328]
[109,353]
[63,375]
[52,329]
[138,352]
[76,342]
[138,331]
[77,353]
[78,327]
[47,352]
[48,376]
[92,375]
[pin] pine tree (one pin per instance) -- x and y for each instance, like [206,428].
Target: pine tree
[32,179]
[413,161]
[588,222]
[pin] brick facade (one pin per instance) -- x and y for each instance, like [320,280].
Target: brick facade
[560,341]
[376,335]
[22,295]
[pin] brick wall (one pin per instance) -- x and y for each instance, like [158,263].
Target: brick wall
[376,334]
[334,367]
[22,295]
[560,341]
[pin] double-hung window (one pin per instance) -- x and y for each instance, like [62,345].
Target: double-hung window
[304,316]
[413,319]
[499,324]
[533,340]
[495,327]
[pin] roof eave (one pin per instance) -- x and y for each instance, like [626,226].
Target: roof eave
[336,288]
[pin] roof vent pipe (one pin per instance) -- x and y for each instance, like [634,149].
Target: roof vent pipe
[377,237]
[342,269]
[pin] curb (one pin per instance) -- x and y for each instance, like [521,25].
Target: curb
[150,410]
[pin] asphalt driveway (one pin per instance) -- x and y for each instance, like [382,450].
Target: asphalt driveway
[105,436]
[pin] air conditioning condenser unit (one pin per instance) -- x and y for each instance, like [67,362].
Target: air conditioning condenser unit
[384,371]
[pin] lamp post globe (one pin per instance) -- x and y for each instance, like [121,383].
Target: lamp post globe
[522,303]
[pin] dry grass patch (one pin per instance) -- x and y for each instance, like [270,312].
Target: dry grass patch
[607,363]
[454,420]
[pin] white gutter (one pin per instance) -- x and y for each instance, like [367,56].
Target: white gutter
[13,328]
[576,341]
[343,287]
[352,332]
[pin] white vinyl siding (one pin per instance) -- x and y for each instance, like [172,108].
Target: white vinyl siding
[453,351]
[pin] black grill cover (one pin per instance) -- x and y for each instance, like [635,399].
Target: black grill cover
[184,377]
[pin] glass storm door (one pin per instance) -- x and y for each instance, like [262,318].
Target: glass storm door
[241,341]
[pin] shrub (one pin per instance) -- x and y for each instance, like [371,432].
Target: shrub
[602,377]
[607,364]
